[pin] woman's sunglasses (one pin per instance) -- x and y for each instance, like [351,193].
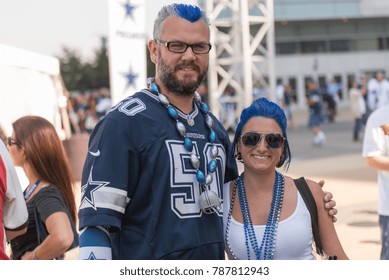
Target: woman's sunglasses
[273,140]
[11,141]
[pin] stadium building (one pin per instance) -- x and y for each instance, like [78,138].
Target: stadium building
[330,39]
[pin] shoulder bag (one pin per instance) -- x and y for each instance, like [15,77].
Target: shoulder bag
[307,196]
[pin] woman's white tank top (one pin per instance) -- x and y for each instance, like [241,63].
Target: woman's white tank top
[294,235]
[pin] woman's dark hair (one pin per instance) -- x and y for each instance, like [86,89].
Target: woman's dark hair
[46,155]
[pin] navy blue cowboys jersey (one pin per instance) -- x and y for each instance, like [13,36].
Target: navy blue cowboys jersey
[138,180]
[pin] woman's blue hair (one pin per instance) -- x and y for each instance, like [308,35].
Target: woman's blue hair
[262,107]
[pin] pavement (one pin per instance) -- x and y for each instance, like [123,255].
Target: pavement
[353,184]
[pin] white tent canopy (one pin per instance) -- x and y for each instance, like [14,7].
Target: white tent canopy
[30,84]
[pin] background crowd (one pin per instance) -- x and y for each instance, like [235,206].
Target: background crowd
[87,108]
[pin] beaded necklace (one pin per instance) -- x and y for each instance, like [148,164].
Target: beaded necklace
[266,250]
[209,202]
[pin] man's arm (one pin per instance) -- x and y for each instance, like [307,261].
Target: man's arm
[378,162]
[95,244]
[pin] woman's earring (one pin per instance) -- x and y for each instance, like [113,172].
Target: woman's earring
[281,162]
[238,157]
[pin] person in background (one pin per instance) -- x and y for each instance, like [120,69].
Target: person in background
[362,86]
[377,92]
[73,116]
[152,180]
[383,89]
[13,210]
[376,153]
[314,100]
[287,104]
[91,117]
[280,93]
[265,216]
[103,103]
[35,146]
[358,108]
[332,99]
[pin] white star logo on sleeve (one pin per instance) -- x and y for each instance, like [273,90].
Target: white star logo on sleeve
[89,189]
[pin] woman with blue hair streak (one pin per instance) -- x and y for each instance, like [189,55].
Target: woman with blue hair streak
[265,216]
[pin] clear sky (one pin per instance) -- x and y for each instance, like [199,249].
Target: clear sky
[45,26]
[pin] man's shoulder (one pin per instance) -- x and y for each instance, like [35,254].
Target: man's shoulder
[132,105]
[378,117]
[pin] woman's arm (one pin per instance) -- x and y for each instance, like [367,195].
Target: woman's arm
[60,237]
[330,241]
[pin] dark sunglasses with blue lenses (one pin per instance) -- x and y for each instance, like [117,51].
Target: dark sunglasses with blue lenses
[273,140]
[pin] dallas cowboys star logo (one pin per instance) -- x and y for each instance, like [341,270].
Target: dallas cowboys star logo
[131,78]
[92,256]
[93,187]
[129,8]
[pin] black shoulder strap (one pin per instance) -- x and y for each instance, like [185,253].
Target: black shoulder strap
[306,194]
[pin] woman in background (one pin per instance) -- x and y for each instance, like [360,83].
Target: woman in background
[358,108]
[36,147]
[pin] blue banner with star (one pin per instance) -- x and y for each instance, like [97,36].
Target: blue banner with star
[127,47]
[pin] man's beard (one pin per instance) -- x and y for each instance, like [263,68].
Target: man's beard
[184,87]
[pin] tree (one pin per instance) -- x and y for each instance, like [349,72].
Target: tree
[81,76]
[100,69]
[71,69]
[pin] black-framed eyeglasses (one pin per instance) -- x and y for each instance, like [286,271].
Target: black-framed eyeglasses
[273,140]
[180,47]
[11,141]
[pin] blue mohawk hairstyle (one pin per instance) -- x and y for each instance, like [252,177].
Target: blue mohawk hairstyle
[189,12]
